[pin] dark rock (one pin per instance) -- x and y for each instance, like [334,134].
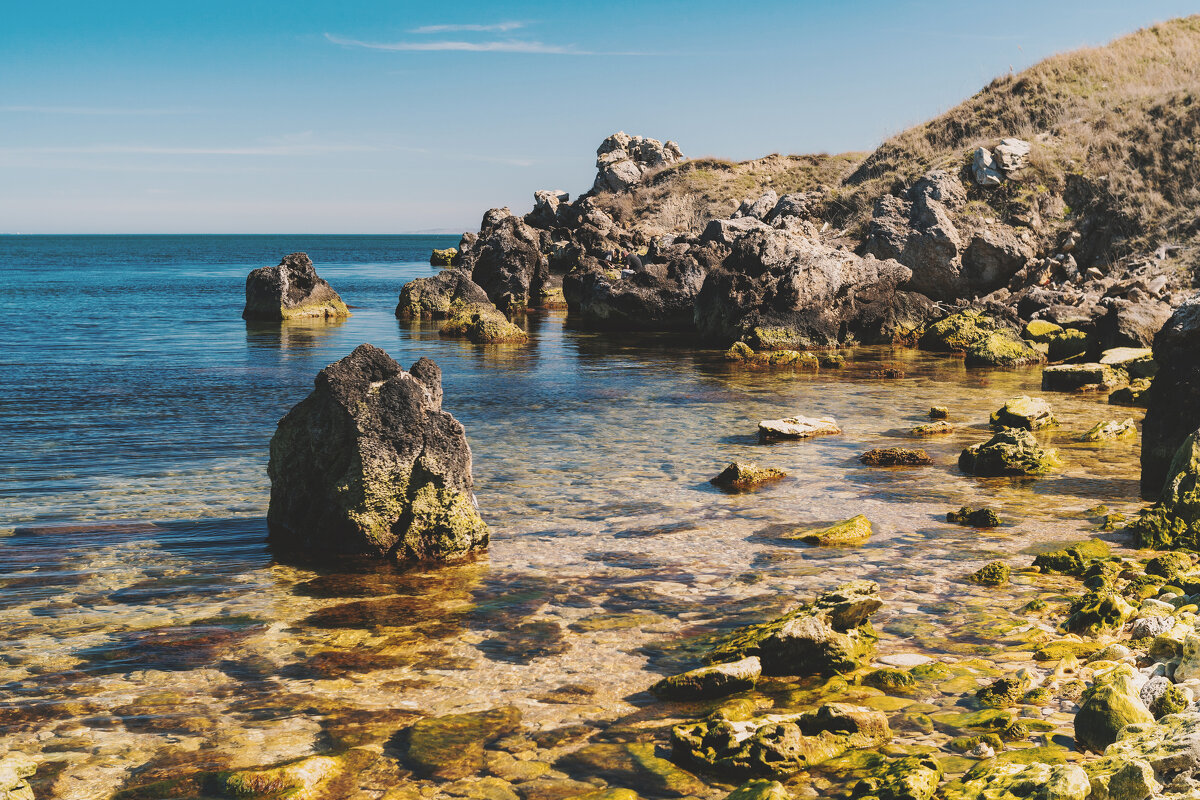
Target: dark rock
[974,517]
[451,747]
[1131,324]
[1012,451]
[507,261]
[634,766]
[1173,400]
[661,297]
[369,464]
[1074,559]
[718,680]
[289,291]
[895,457]
[435,297]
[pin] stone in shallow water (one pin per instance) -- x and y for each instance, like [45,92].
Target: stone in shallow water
[937,428]
[1082,378]
[1107,707]
[851,531]
[291,290]
[742,475]
[974,517]
[299,780]
[796,428]
[451,747]
[895,457]
[908,778]
[707,682]
[993,574]
[15,769]
[633,766]
[1030,413]
[903,660]
[1104,431]
[1074,559]
[1002,780]
[1012,451]
[759,789]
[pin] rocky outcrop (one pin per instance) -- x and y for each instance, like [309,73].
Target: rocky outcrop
[1173,401]
[369,464]
[482,323]
[622,160]
[828,636]
[1107,707]
[435,297]
[506,260]
[442,258]
[783,290]
[982,339]
[718,680]
[1012,451]
[660,297]
[1173,522]
[290,290]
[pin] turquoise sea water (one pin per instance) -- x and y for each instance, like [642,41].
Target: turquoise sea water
[136,408]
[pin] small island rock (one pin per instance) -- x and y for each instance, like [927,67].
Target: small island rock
[796,428]
[290,290]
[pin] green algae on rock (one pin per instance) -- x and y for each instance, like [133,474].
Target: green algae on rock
[974,517]
[743,475]
[633,766]
[369,464]
[907,778]
[1067,344]
[740,351]
[709,682]
[439,296]
[855,530]
[1173,523]
[1170,566]
[890,679]
[291,290]
[482,324]
[451,747]
[997,779]
[15,770]
[780,744]
[1030,413]
[895,457]
[984,341]
[1098,612]
[1041,331]
[994,574]
[937,428]
[442,258]
[939,412]
[1012,451]
[759,789]
[1074,559]
[1105,431]
[831,635]
[1107,707]
[304,779]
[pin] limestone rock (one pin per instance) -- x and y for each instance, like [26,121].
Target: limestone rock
[708,682]
[895,457]
[908,778]
[1171,750]
[1074,559]
[1106,431]
[1000,779]
[369,464]
[1012,451]
[1082,378]
[1097,612]
[451,747]
[482,323]
[851,531]
[291,290]
[1107,707]
[985,169]
[304,779]
[781,744]
[830,635]
[937,428]
[660,297]
[1012,155]
[759,789]
[1030,413]
[622,160]
[741,475]
[758,208]
[507,261]
[1130,323]
[443,258]
[437,296]
[994,574]
[796,428]
[15,770]
[983,341]
[1173,402]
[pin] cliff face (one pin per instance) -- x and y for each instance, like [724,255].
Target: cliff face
[1065,193]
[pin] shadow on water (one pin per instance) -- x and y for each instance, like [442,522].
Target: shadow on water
[291,334]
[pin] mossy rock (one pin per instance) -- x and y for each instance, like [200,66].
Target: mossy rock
[855,530]
[1170,566]
[1110,430]
[908,778]
[994,574]
[999,779]
[718,680]
[1030,413]
[1096,613]
[304,779]
[1107,707]
[483,325]
[983,341]
[938,428]
[939,412]
[1173,523]
[895,457]
[442,258]
[451,747]
[759,789]
[965,744]
[632,766]
[1074,559]
[743,475]
[890,680]
[1041,331]
[1011,451]
[1067,344]
[1002,349]
[974,517]
[1065,648]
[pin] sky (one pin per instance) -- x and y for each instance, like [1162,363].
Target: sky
[399,117]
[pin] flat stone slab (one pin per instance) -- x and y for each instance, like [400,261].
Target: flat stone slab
[1123,355]
[796,428]
[902,660]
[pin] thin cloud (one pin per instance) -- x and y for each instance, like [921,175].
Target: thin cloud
[498,27]
[151,150]
[94,111]
[503,46]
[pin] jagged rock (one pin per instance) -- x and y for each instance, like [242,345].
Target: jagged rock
[797,205]
[851,531]
[622,160]
[1001,780]
[985,169]
[369,464]
[1107,707]
[744,475]
[996,573]
[1012,451]
[482,323]
[780,290]
[708,682]
[1169,566]
[661,297]
[435,297]
[1030,413]
[546,204]
[1012,155]
[1097,612]
[974,517]
[451,747]
[1173,522]
[466,249]
[1163,697]
[1081,378]
[1149,627]
[984,340]
[895,457]
[633,765]
[506,260]
[1131,324]
[759,789]
[1137,362]
[15,770]
[443,258]
[908,778]
[304,779]
[796,428]
[830,635]
[1153,757]
[992,257]
[758,208]
[1173,400]
[1104,431]
[780,744]
[291,290]
[1074,559]
[728,231]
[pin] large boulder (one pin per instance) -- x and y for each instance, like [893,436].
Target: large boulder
[1173,401]
[661,297]
[435,297]
[1107,707]
[982,339]
[622,160]
[507,261]
[1129,323]
[828,636]
[290,290]
[1012,451]
[369,464]
[1147,756]
[1174,521]
[782,290]
[999,779]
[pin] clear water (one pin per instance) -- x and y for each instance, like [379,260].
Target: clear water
[149,631]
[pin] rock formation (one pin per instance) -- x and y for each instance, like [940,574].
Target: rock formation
[290,291]
[622,160]
[1173,402]
[369,464]
[506,260]
[437,296]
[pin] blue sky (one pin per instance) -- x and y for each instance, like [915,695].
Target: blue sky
[391,117]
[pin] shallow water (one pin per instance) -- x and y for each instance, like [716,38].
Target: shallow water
[150,631]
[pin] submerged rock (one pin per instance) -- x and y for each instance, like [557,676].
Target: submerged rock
[993,574]
[1012,451]
[742,475]
[451,747]
[708,682]
[291,290]
[796,428]
[1173,523]
[932,429]
[997,779]
[1075,559]
[851,531]
[895,457]
[1030,413]
[780,744]
[304,779]
[15,770]
[1107,707]
[974,517]
[634,766]
[482,324]
[437,296]
[1105,431]
[369,464]
[830,635]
